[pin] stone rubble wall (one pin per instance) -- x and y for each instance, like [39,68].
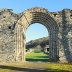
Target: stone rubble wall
[7,35]
[8,21]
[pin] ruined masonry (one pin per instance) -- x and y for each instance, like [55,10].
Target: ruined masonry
[13,29]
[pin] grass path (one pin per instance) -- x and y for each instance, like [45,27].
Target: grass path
[37,56]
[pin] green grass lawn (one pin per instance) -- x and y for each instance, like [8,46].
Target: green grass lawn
[37,56]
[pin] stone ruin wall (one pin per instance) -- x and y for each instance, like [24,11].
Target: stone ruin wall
[7,35]
[8,19]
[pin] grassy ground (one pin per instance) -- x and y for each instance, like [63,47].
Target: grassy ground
[35,66]
[37,56]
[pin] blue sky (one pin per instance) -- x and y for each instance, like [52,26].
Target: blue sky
[36,31]
[21,5]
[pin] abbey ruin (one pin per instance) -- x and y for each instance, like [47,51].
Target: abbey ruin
[13,29]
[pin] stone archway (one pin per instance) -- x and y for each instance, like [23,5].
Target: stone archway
[13,27]
[36,15]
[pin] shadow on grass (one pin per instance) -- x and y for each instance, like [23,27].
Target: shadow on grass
[29,70]
[35,60]
[46,57]
[39,58]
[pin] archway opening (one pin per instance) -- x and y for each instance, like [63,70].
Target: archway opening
[31,16]
[37,43]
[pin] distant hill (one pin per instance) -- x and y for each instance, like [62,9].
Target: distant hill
[34,43]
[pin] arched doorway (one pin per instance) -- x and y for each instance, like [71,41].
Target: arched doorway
[37,43]
[36,15]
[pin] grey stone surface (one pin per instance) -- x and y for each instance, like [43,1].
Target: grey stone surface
[13,28]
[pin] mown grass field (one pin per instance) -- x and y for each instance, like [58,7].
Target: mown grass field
[37,56]
[37,62]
